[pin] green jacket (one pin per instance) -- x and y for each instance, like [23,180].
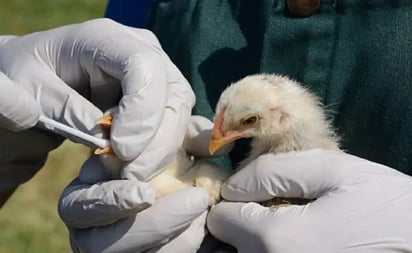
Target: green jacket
[355,54]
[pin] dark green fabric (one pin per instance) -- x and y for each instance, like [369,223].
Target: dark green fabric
[355,54]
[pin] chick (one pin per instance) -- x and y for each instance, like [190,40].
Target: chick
[278,113]
[183,171]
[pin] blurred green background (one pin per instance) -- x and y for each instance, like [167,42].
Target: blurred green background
[29,221]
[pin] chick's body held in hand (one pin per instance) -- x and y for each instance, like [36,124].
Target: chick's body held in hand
[277,112]
[183,171]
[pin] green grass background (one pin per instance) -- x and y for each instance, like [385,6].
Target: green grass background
[29,220]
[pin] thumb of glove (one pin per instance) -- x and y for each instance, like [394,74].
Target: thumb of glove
[308,174]
[18,109]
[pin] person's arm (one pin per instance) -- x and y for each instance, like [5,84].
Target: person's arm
[129,12]
[18,111]
[360,206]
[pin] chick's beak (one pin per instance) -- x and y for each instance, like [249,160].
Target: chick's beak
[220,137]
[105,124]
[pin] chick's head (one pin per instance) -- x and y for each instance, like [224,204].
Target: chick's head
[261,106]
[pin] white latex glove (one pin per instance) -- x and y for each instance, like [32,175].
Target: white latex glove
[113,216]
[109,217]
[360,207]
[73,73]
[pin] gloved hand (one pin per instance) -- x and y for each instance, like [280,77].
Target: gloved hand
[75,72]
[111,217]
[360,206]
[114,216]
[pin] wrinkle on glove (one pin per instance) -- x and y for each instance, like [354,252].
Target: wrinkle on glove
[157,225]
[18,110]
[83,205]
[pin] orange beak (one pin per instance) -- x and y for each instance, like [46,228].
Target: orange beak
[220,137]
[105,123]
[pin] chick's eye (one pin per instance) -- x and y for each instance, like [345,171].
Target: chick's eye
[251,120]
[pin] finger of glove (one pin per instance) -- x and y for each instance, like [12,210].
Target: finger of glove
[307,174]
[169,136]
[166,219]
[18,110]
[197,138]
[251,227]
[82,205]
[238,224]
[142,70]
[171,88]
[190,240]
